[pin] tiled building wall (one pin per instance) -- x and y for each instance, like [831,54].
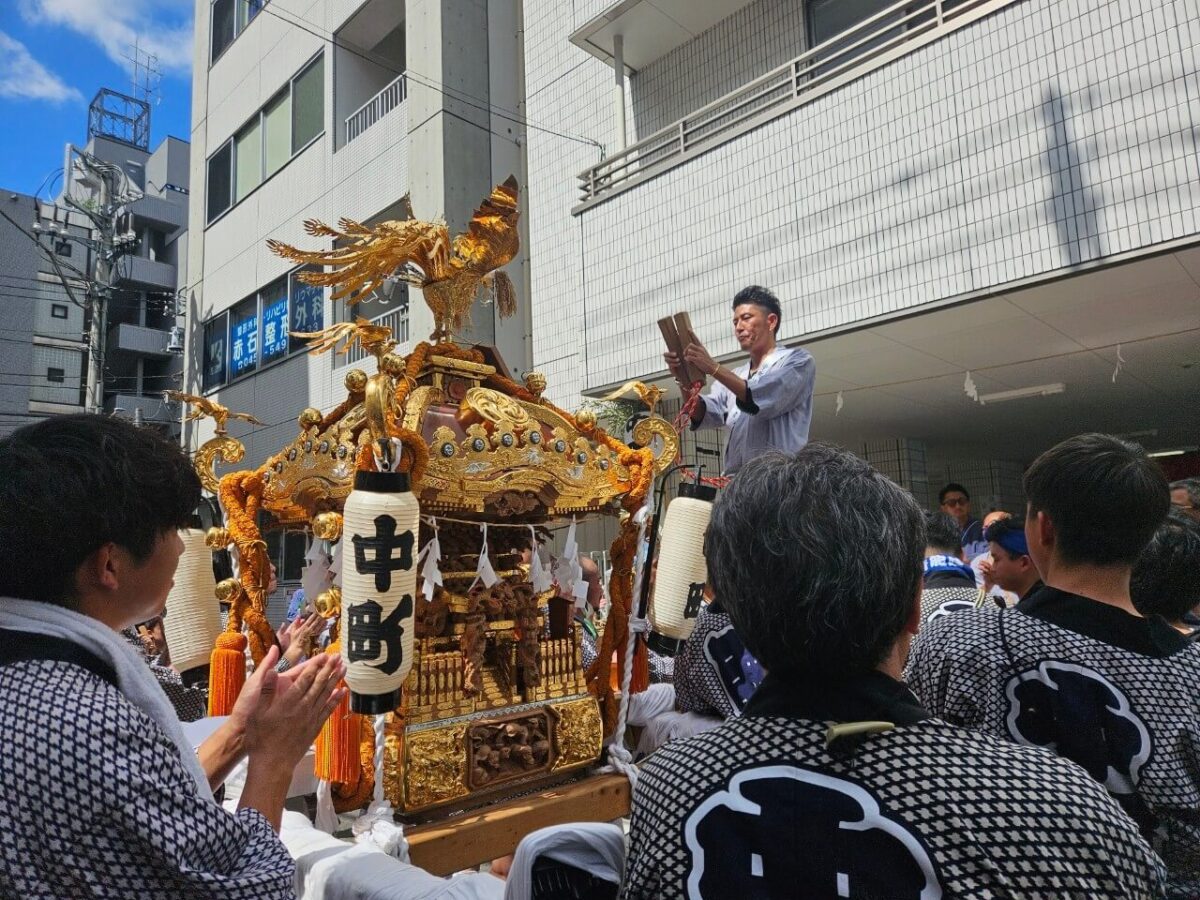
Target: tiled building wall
[358,181]
[1051,133]
[751,42]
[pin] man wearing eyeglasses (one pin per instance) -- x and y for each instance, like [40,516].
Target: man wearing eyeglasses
[954,500]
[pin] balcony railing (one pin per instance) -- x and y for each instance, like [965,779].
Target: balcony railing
[375,108]
[868,45]
[396,319]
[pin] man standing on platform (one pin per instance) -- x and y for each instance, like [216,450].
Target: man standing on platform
[766,403]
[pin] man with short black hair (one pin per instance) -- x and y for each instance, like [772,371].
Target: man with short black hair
[1185,497]
[834,782]
[954,500]
[1012,568]
[101,793]
[1166,577]
[766,403]
[1075,668]
[948,585]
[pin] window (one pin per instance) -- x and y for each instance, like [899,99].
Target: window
[256,330]
[274,134]
[243,337]
[275,320]
[216,337]
[308,104]
[307,310]
[58,376]
[277,134]
[295,545]
[248,153]
[229,19]
[223,26]
[64,248]
[220,181]
[59,311]
[826,19]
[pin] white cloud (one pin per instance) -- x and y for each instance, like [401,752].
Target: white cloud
[24,78]
[162,28]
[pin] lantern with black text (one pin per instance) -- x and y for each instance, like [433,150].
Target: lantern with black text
[192,617]
[681,575]
[379,582]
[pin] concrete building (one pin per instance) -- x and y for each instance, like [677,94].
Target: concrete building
[1005,189]
[338,108]
[981,215]
[45,352]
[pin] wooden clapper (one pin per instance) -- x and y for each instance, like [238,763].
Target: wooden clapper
[677,333]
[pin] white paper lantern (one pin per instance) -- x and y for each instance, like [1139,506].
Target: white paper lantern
[682,574]
[193,615]
[379,587]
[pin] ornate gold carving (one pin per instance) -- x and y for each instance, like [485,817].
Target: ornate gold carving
[500,750]
[206,407]
[217,538]
[435,765]
[535,383]
[356,381]
[648,429]
[227,590]
[376,403]
[328,603]
[223,447]
[327,526]
[309,416]
[578,733]
[497,408]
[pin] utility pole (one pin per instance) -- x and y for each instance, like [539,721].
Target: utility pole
[111,190]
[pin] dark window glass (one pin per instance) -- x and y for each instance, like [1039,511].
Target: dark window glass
[295,545]
[215,351]
[307,309]
[220,181]
[222,26]
[275,320]
[243,338]
[59,311]
[58,376]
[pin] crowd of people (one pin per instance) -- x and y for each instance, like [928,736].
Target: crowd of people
[884,702]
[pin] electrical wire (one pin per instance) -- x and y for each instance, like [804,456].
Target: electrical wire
[425,81]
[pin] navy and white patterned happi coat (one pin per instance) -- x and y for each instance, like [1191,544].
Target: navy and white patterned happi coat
[763,807]
[95,802]
[1115,693]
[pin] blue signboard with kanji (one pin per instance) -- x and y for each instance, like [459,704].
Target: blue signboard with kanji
[275,329]
[308,309]
[243,346]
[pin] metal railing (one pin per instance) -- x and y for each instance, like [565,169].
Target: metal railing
[889,34]
[395,319]
[375,108]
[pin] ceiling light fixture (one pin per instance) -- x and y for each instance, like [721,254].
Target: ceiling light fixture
[1038,390]
[1178,451]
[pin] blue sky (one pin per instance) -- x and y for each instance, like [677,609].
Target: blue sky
[55,55]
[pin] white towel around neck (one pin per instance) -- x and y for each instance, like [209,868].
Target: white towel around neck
[134,678]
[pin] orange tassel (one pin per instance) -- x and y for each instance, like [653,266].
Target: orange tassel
[227,672]
[337,754]
[640,679]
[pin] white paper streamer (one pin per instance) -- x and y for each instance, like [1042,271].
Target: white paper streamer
[839,404]
[484,571]
[316,577]
[1120,365]
[970,389]
[539,574]
[335,564]
[427,563]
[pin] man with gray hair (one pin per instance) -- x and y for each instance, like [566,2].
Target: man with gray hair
[834,782]
[1185,497]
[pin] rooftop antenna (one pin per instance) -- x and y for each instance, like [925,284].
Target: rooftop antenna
[146,76]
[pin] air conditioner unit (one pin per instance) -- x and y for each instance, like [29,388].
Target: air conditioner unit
[175,339]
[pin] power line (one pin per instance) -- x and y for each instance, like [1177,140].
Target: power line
[426,81]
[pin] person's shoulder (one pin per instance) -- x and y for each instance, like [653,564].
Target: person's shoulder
[796,356]
[965,630]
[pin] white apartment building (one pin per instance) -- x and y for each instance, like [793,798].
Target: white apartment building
[327,109]
[1005,188]
[994,195]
